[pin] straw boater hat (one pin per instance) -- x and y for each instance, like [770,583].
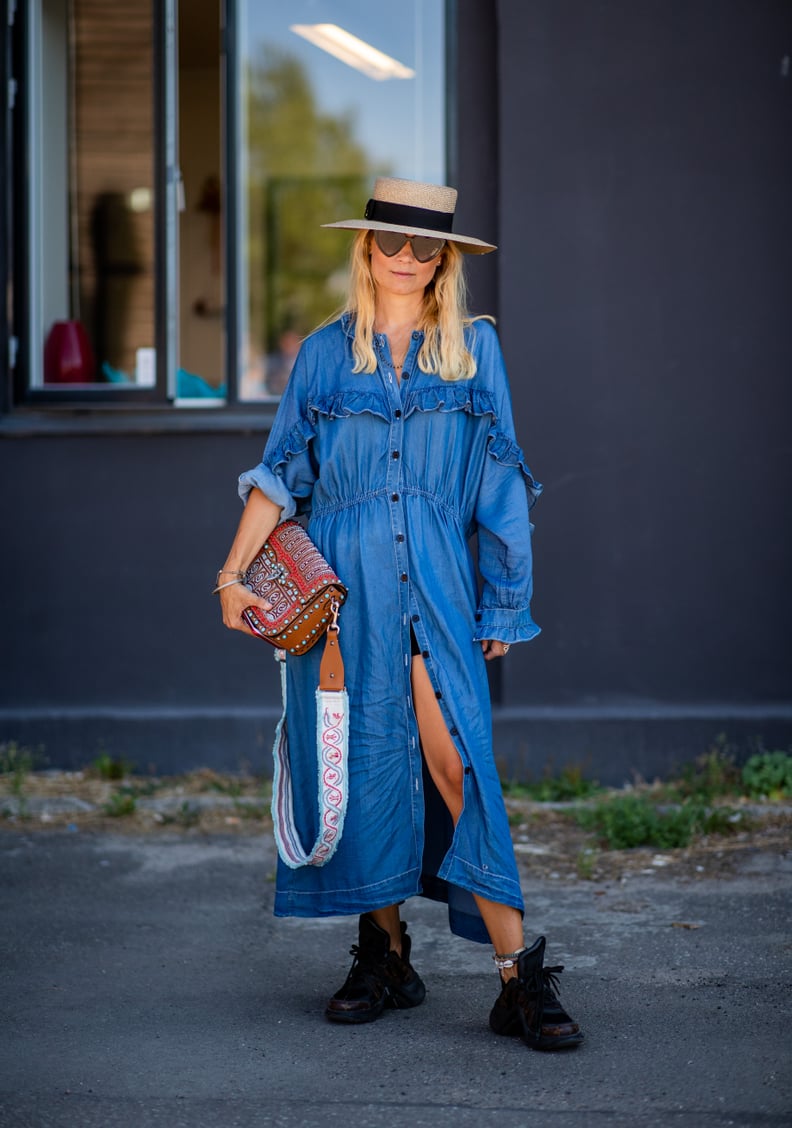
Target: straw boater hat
[415,209]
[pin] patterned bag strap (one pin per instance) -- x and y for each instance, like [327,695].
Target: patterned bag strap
[332,737]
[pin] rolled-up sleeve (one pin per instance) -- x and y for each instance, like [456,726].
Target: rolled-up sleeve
[287,471]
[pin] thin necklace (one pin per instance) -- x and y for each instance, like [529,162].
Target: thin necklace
[399,366]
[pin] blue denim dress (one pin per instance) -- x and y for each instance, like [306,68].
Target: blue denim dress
[395,478]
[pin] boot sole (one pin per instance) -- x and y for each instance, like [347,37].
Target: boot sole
[566,1042]
[513,1028]
[401,1000]
[354,1018]
[409,996]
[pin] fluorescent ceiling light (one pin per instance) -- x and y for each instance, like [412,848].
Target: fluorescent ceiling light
[353,51]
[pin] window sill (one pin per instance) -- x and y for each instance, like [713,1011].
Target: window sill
[79,420]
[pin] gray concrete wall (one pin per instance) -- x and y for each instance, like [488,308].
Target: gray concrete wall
[645,179]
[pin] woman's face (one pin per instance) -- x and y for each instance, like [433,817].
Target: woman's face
[401,273]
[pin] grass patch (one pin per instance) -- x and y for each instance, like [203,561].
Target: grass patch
[252,810]
[586,863]
[16,763]
[119,805]
[768,775]
[108,767]
[712,775]
[627,821]
[569,784]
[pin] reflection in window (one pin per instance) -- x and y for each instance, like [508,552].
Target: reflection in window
[316,131]
[201,371]
[92,299]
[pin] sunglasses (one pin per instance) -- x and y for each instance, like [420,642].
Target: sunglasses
[424,247]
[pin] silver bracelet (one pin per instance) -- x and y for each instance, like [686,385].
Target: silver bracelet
[228,583]
[228,572]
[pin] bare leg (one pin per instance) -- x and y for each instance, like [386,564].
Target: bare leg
[442,758]
[388,919]
[503,922]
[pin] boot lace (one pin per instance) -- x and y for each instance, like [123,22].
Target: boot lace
[551,987]
[364,973]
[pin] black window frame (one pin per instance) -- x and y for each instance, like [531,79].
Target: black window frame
[26,410]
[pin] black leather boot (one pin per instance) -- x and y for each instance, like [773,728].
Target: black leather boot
[378,978]
[529,1008]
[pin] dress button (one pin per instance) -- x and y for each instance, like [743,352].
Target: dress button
[395,497]
[416,618]
[397,413]
[395,454]
[403,577]
[438,695]
[405,375]
[424,653]
[478,613]
[400,537]
[454,732]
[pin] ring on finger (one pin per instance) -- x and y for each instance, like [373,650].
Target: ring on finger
[506,647]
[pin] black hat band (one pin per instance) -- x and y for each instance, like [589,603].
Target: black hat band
[403,215]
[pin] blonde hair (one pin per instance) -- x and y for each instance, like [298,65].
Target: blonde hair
[443,318]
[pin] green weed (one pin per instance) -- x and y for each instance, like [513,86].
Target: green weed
[252,810]
[723,820]
[626,821]
[768,775]
[17,764]
[120,805]
[585,864]
[709,776]
[107,767]
[569,784]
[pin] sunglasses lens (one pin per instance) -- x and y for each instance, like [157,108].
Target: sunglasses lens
[424,247]
[390,242]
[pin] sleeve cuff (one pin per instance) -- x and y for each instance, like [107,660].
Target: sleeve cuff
[504,625]
[271,485]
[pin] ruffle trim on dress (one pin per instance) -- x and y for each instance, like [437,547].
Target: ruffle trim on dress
[508,453]
[451,397]
[343,404]
[293,443]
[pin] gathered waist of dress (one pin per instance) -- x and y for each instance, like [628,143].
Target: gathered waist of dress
[325,506]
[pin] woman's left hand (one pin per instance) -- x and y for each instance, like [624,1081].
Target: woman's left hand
[494,649]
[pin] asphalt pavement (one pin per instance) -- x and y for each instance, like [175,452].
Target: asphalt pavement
[145,982]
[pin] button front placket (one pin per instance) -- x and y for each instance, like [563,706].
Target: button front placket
[395,488]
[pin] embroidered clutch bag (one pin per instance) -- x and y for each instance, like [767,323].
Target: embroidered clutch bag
[291,574]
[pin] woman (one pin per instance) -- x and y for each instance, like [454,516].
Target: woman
[395,434]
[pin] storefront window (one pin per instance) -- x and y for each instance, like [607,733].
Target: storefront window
[92,292]
[331,94]
[179,179]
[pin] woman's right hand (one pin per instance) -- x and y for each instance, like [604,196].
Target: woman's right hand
[259,518]
[234,600]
